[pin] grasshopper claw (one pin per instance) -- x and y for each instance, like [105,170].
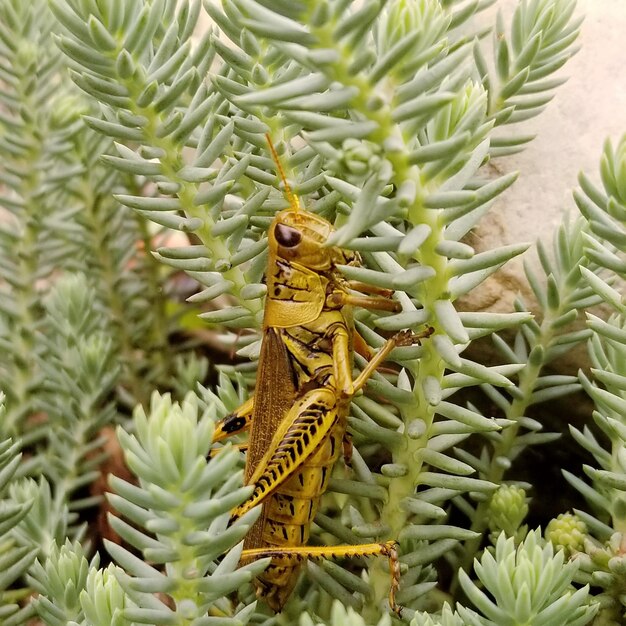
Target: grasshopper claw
[409,338]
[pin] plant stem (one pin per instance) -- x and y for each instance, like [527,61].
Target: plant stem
[22,363]
[517,409]
[109,274]
[159,347]
[171,163]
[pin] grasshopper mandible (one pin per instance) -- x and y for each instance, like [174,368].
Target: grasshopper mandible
[298,414]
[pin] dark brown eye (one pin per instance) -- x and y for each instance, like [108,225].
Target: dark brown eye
[286,236]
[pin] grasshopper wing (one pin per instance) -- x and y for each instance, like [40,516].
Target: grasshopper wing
[274,395]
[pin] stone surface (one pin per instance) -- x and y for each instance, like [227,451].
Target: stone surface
[570,132]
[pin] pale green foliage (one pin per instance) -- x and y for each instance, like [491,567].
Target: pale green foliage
[15,558]
[34,171]
[567,532]
[60,580]
[179,511]
[384,116]
[519,585]
[508,508]
[103,600]
[528,584]
[446,618]
[605,210]
[80,376]
[540,41]
[47,522]
[341,616]
[110,244]
[560,294]
[58,213]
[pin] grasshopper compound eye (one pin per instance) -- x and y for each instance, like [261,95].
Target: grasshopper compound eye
[286,236]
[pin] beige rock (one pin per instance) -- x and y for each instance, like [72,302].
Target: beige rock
[570,132]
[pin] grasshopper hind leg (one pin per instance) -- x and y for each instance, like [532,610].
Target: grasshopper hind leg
[286,559]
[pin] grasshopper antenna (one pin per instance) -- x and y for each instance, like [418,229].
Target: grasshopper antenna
[293,199]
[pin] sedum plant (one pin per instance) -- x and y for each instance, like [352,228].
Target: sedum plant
[385,114]
[15,557]
[604,208]
[59,214]
[527,584]
[560,294]
[179,492]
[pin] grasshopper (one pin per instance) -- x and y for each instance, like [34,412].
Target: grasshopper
[298,415]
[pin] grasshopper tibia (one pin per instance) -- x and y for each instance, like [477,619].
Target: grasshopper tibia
[292,556]
[340,298]
[403,338]
[370,289]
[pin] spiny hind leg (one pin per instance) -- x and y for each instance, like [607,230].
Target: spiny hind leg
[304,428]
[289,557]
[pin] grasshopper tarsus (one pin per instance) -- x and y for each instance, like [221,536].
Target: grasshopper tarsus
[390,550]
[408,337]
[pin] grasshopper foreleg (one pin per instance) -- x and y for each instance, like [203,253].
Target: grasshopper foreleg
[341,298]
[403,338]
[237,422]
[357,285]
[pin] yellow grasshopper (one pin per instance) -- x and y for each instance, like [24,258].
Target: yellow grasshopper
[298,414]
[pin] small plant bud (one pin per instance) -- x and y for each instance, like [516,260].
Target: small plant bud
[507,510]
[567,531]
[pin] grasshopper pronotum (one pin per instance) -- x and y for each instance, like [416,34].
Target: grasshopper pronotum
[298,415]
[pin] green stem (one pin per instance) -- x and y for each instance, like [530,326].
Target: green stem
[517,409]
[22,369]
[159,347]
[109,275]
[64,485]
[408,453]
[171,164]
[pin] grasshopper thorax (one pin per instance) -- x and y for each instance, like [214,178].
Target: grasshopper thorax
[301,268]
[301,237]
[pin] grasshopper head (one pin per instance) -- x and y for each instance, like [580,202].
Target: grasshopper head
[301,237]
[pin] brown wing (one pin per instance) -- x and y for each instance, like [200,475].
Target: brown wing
[274,395]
